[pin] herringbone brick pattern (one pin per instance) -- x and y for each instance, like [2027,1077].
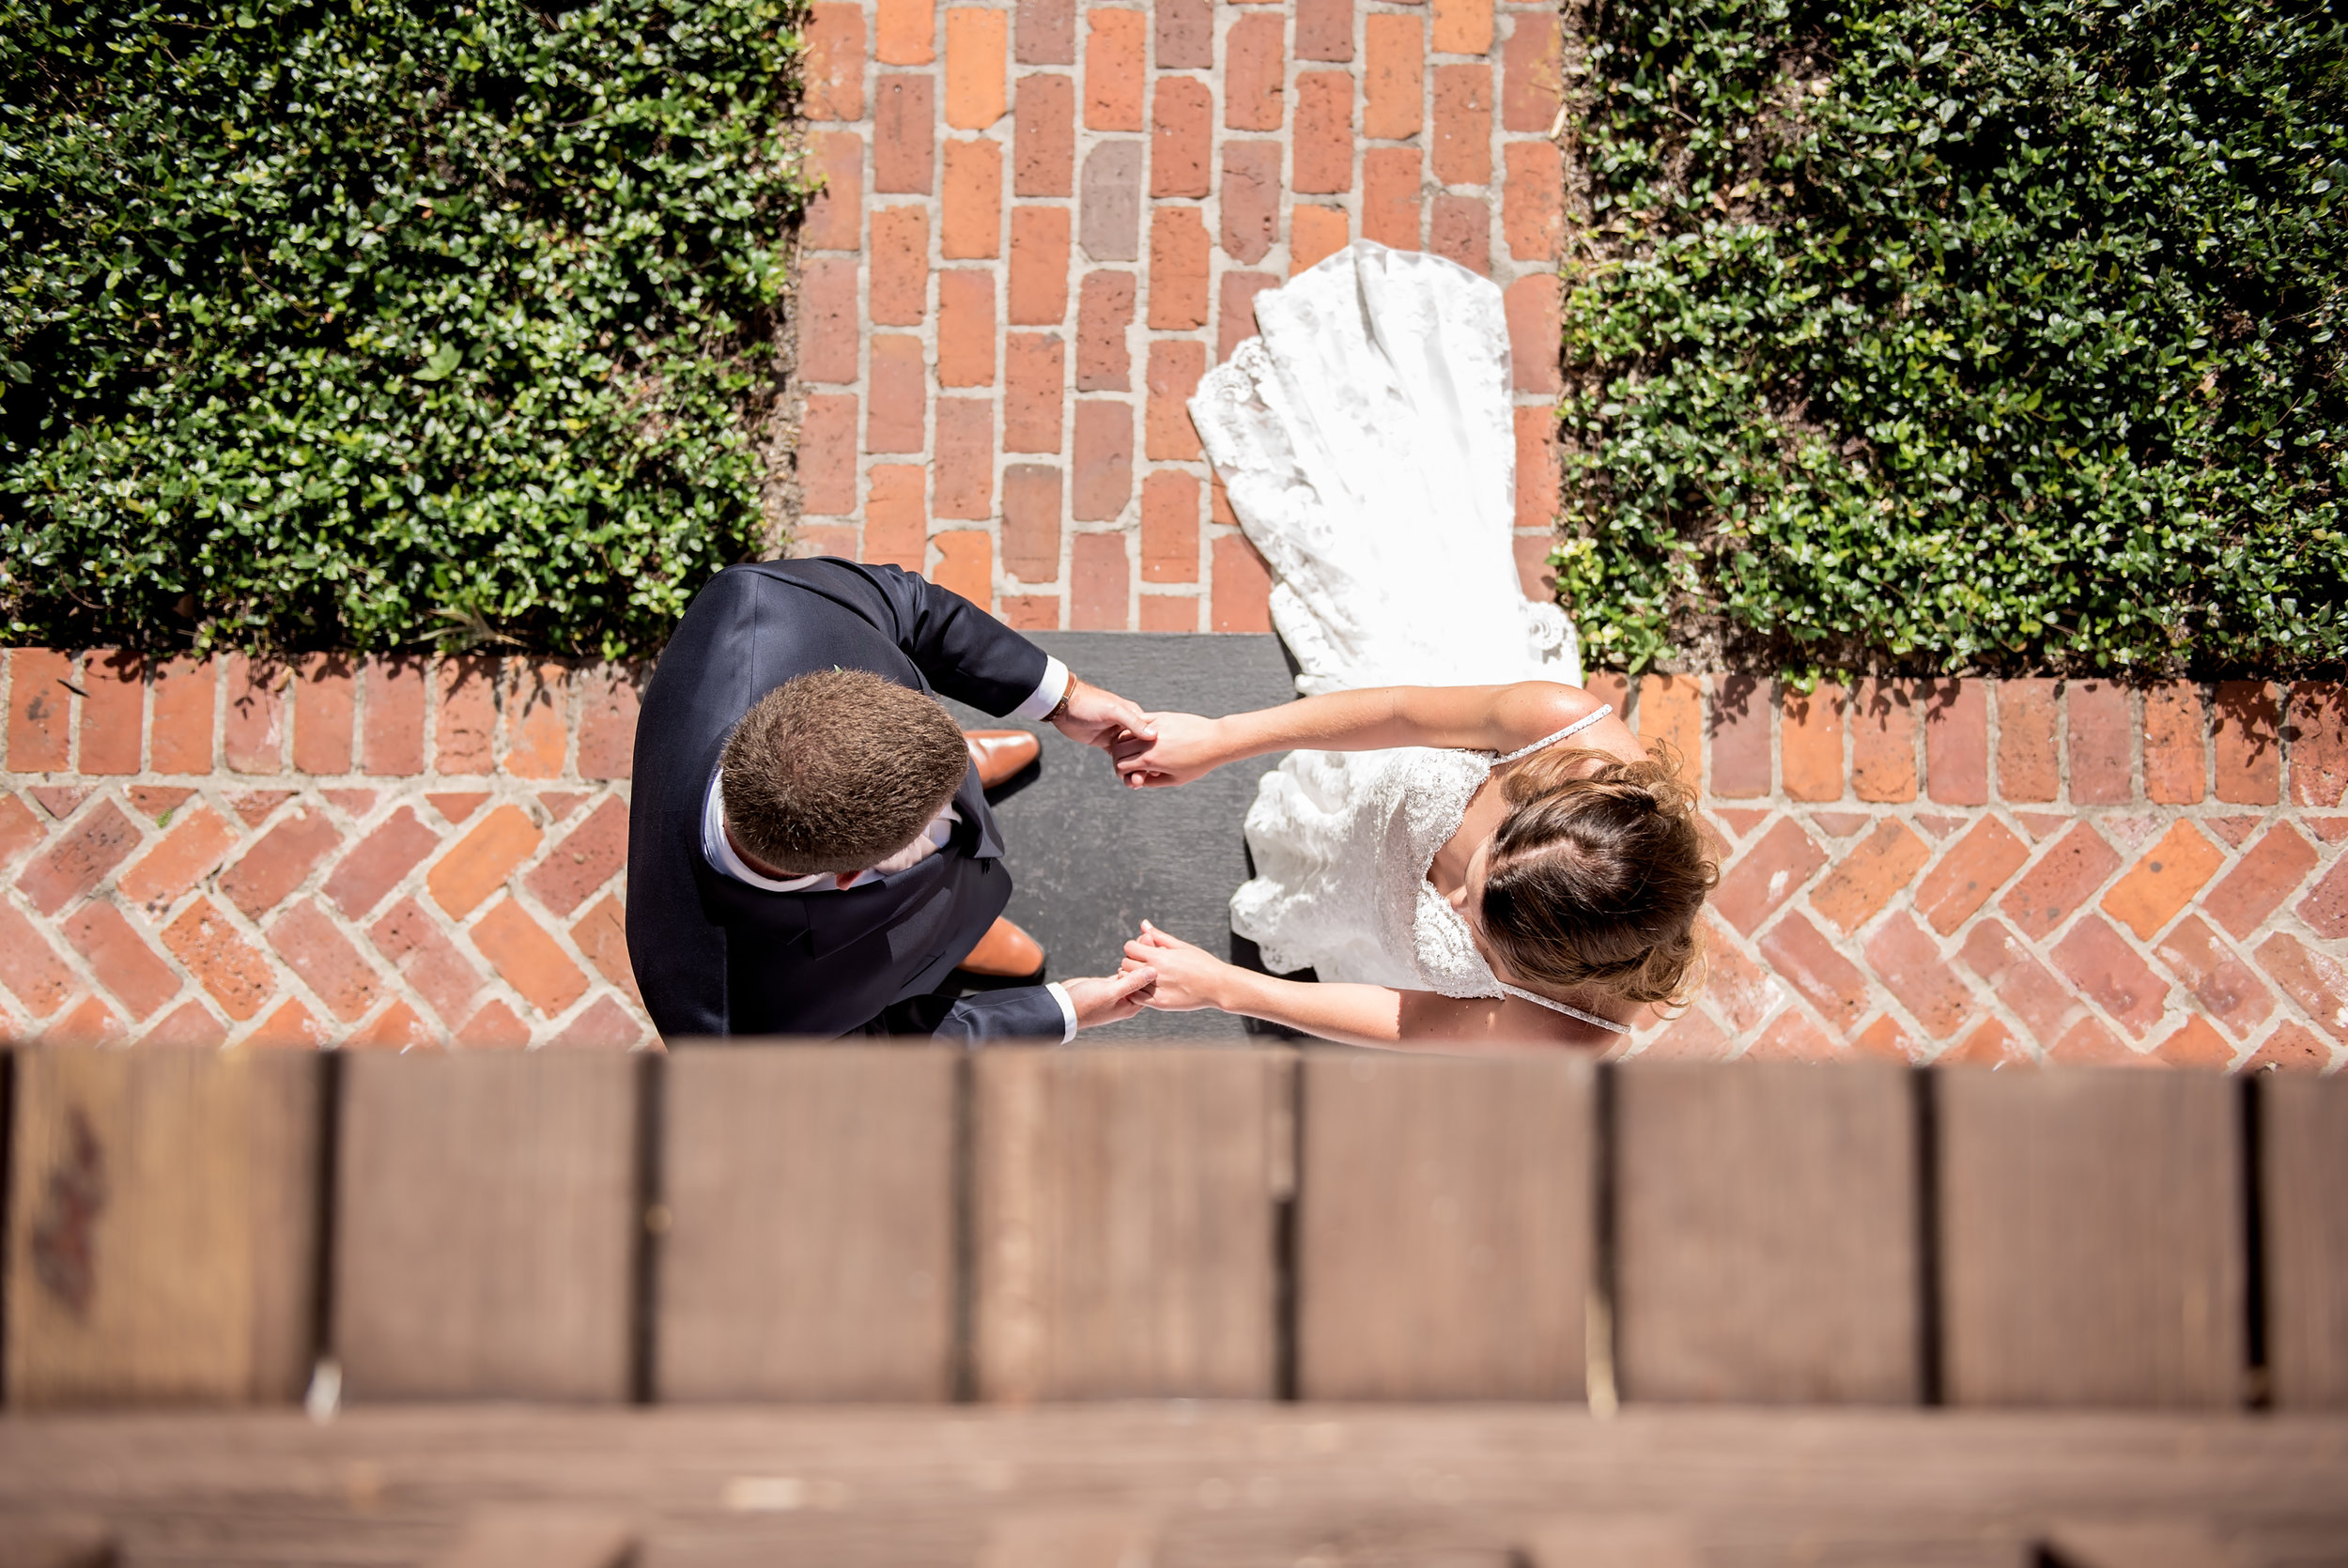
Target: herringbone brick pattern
[397,852]
[2022,871]
[385,853]
[1042,220]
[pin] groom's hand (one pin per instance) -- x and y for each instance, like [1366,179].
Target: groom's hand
[1093,716]
[1111,998]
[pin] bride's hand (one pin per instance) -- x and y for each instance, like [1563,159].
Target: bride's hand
[1185,746]
[1188,978]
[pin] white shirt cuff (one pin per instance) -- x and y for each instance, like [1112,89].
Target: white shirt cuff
[1045,696]
[1067,1009]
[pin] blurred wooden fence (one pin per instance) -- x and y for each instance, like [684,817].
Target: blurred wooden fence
[912,1224]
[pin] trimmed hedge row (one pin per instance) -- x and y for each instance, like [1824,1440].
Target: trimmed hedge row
[364,324]
[1953,334]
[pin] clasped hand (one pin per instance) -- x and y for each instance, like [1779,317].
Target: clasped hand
[1150,752]
[1175,748]
[1184,977]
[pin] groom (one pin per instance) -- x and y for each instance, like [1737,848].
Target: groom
[810,847]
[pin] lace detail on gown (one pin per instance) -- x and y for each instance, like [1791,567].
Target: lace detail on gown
[1341,843]
[1366,440]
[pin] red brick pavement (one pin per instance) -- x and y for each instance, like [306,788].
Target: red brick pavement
[394,852]
[383,852]
[2020,870]
[1043,220]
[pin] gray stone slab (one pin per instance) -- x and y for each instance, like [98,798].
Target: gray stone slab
[1090,861]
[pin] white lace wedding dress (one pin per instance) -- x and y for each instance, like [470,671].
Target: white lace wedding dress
[1368,443]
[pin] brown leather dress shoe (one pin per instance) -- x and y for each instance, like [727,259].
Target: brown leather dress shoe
[1004,952]
[999,753]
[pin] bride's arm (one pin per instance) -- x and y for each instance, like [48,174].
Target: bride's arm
[1489,719]
[1189,977]
[1396,1019]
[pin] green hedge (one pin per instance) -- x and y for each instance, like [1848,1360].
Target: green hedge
[356,324]
[1939,334]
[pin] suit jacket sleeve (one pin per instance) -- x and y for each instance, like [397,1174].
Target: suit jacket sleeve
[1022,1013]
[1027,1013]
[959,648]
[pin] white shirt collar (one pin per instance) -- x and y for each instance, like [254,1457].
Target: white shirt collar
[718,850]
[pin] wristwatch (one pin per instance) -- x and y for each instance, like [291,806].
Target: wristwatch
[1066,692]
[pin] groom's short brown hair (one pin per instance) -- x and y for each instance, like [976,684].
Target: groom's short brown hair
[835,770]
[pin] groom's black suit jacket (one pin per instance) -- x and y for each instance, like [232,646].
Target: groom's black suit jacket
[715,956]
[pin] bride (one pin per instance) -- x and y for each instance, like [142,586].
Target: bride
[1461,843]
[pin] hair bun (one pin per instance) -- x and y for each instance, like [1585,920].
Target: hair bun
[1581,893]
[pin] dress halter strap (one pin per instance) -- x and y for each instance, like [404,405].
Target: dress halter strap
[1575,727]
[1606,1023]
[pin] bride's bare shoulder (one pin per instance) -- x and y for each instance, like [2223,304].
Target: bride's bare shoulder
[1538,713]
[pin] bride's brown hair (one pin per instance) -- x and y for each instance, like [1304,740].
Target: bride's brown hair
[1597,875]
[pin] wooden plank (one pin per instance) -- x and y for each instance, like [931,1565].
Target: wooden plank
[877,1487]
[162,1232]
[1123,1214]
[1067,1538]
[1623,1541]
[1443,1226]
[541,1538]
[2303,1150]
[486,1225]
[2091,1239]
[2134,1544]
[809,1249]
[38,1540]
[1766,1244]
